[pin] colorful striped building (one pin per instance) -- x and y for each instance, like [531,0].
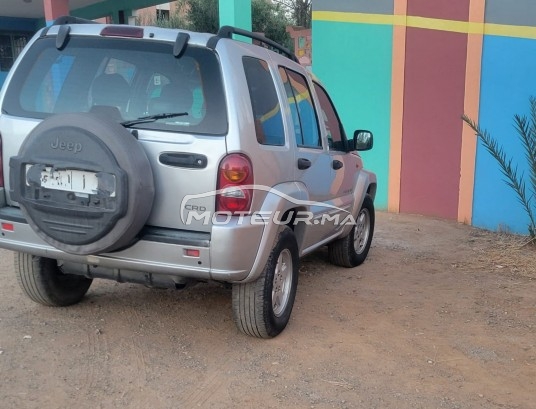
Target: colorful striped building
[408,70]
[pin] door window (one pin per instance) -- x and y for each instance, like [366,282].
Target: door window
[335,131]
[301,108]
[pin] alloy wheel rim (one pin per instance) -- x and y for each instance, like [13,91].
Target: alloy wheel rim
[282,282]
[361,231]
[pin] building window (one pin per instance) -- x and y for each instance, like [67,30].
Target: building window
[162,15]
[11,45]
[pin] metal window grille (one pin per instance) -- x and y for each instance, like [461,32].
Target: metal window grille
[11,45]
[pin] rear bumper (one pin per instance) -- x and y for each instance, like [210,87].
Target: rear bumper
[226,254]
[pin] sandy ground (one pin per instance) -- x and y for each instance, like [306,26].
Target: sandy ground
[441,315]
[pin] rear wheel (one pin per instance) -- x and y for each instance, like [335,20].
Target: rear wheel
[352,250]
[42,280]
[262,308]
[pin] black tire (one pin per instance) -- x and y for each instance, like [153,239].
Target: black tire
[352,250]
[108,218]
[42,280]
[256,309]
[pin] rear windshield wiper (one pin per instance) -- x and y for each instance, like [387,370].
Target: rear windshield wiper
[152,118]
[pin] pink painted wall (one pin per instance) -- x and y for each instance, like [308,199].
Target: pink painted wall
[433,104]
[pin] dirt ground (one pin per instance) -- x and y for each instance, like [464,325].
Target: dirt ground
[441,315]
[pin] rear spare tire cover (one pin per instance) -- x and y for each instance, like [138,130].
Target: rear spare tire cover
[84,183]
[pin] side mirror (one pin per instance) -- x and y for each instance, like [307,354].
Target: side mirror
[363,140]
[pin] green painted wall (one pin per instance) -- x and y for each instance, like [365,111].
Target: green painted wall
[361,87]
[235,13]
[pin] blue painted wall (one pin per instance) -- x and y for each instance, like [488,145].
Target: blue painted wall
[508,80]
[355,67]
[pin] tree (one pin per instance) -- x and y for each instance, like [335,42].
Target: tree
[203,16]
[270,19]
[177,19]
[299,10]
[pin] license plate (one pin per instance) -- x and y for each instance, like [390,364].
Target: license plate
[70,180]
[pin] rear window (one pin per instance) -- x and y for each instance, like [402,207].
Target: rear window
[124,78]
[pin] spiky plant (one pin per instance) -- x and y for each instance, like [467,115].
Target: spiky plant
[526,129]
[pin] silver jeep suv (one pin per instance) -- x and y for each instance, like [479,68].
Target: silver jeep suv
[165,157]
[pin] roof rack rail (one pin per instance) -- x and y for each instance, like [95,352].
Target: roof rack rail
[71,20]
[228,31]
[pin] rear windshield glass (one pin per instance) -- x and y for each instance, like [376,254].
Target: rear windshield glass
[124,78]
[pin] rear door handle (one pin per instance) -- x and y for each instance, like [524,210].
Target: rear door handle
[304,163]
[337,164]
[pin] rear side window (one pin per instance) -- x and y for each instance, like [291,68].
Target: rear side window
[128,78]
[301,108]
[264,102]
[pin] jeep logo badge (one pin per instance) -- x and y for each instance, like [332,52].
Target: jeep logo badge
[66,146]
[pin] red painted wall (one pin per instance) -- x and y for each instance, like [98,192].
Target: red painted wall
[444,9]
[432,128]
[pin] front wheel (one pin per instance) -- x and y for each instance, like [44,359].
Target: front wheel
[43,281]
[262,308]
[352,250]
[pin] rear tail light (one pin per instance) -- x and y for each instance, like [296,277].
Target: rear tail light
[1,165]
[234,176]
